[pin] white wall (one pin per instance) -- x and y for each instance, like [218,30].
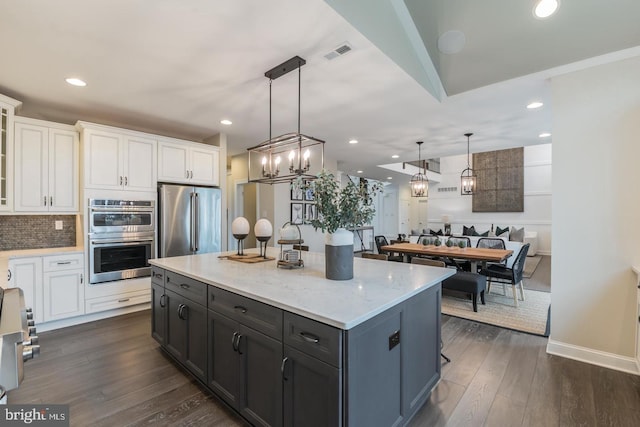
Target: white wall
[596,209]
[537,199]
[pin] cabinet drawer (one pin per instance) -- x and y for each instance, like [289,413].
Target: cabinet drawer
[188,288]
[321,341]
[157,276]
[259,316]
[117,301]
[63,262]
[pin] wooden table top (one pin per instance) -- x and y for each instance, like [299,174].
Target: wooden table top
[473,254]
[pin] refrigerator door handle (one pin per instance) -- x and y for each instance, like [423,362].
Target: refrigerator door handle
[191,228]
[196,222]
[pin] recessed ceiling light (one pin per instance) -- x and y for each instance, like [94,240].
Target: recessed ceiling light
[75,81]
[389,177]
[353,141]
[359,171]
[534,105]
[545,8]
[395,156]
[226,122]
[544,135]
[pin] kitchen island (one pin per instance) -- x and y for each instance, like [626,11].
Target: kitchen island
[289,347]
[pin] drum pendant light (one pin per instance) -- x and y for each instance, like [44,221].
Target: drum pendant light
[468,177]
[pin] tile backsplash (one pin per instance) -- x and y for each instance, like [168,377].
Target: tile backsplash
[36,231]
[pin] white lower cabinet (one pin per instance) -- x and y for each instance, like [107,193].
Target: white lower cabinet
[53,285]
[111,302]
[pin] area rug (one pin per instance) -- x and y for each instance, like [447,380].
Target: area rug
[530,316]
[530,265]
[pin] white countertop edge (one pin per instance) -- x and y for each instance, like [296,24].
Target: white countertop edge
[24,253]
[636,270]
[355,321]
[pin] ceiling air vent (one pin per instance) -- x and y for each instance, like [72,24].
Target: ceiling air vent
[340,50]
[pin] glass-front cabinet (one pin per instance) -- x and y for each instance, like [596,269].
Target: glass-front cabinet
[7,109]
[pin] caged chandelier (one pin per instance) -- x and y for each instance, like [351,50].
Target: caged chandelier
[419,183]
[266,159]
[468,179]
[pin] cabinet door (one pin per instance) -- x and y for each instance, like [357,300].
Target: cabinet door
[195,357]
[26,274]
[63,294]
[6,157]
[31,165]
[139,164]
[312,391]
[224,363]
[158,313]
[176,332]
[103,160]
[261,378]
[63,171]
[172,162]
[204,165]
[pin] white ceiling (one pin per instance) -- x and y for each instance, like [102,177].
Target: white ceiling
[178,67]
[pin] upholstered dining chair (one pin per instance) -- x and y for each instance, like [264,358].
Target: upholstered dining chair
[382,257]
[491,243]
[382,241]
[513,276]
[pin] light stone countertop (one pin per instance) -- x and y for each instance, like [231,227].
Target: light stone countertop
[22,253]
[376,286]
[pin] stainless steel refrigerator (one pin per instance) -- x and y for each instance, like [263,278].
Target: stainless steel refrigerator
[189,220]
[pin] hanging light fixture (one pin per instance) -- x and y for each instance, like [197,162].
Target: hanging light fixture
[468,178]
[266,159]
[419,183]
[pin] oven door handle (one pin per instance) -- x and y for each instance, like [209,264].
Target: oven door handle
[120,242]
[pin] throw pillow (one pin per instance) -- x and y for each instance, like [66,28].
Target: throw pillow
[435,233]
[500,231]
[485,234]
[516,234]
[415,232]
[468,231]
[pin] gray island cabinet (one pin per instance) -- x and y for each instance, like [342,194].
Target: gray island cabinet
[291,348]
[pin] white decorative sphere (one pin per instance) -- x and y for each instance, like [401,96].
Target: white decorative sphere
[263,228]
[240,225]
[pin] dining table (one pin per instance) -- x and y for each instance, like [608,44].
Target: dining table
[474,255]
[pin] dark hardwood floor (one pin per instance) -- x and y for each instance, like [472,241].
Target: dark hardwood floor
[112,373]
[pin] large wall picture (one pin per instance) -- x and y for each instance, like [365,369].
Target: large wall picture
[500,182]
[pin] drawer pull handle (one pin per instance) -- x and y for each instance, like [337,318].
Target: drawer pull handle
[309,337]
[282,367]
[233,341]
[124,300]
[238,343]
[162,303]
[158,275]
[181,311]
[184,286]
[63,262]
[241,309]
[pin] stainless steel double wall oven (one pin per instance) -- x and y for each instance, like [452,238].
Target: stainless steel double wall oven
[121,239]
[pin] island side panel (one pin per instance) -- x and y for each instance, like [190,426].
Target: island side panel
[392,362]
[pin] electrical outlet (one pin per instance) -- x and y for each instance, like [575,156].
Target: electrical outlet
[394,339]
[58,225]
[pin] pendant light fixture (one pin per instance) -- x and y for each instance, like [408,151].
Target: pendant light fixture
[304,154]
[419,183]
[468,178]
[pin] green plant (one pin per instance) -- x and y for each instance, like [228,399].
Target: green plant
[347,207]
[449,243]
[438,242]
[425,241]
[462,244]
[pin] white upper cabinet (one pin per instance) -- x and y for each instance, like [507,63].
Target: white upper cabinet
[118,161]
[46,167]
[7,108]
[189,163]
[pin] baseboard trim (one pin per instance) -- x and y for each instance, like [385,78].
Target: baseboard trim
[57,324]
[594,357]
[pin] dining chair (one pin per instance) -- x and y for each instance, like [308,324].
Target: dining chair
[491,243]
[505,275]
[460,264]
[382,257]
[382,241]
